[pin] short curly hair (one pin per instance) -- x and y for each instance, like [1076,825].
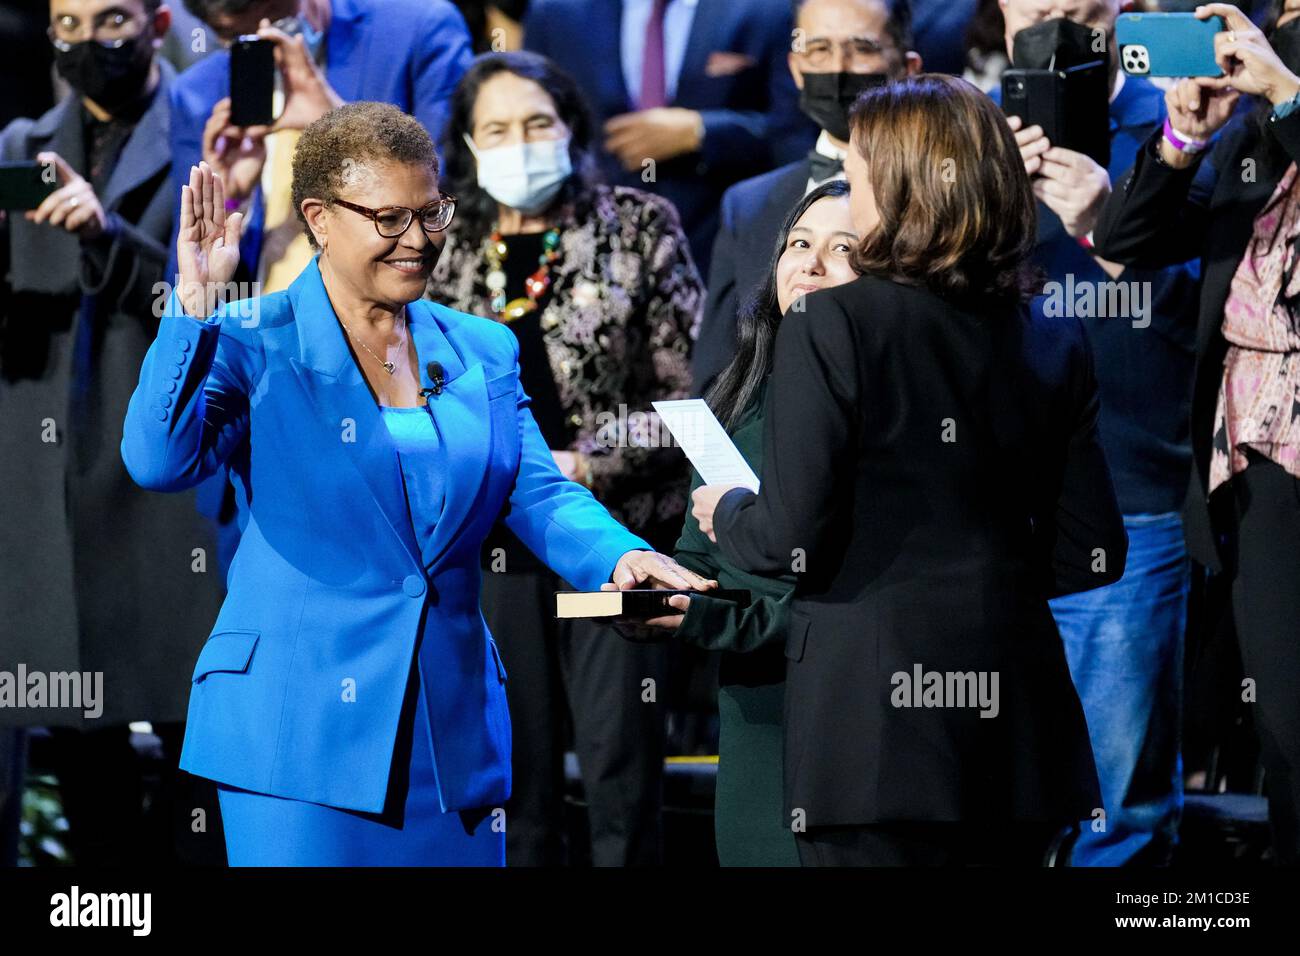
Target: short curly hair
[357,133]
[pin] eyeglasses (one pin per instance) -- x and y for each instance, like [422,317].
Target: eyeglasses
[819,52]
[111,29]
[392,221]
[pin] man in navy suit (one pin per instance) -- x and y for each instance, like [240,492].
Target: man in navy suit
[839,41]
[693,94]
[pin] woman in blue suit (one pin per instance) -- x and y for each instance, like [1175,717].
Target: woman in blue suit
[349,701]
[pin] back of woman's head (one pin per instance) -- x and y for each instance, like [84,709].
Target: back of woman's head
[956,211]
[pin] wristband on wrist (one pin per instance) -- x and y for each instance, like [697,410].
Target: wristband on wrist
[1285,108]
[1182,142]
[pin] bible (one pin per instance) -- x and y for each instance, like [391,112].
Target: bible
[636,603]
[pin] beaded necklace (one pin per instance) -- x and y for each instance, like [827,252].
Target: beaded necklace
[495,251]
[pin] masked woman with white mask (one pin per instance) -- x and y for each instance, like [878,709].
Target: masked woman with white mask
[599,287]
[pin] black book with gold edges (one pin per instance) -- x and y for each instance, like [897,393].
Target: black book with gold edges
[635,603]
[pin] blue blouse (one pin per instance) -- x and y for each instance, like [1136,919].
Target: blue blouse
[422,456]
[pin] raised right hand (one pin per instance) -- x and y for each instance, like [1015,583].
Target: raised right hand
[207,244]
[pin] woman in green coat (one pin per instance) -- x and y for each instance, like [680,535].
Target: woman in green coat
[749,823]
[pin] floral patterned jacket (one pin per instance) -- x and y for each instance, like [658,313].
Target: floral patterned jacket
[625,305]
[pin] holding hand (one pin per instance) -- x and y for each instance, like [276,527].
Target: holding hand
[659,134]
[662,572]
[73,206]
[235,153]
[207,244]
[1073,186]
[1032,142]
[704,501]
[1249,64]
[307,93]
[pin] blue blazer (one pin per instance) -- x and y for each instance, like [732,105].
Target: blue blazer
[410,53]
[299,687]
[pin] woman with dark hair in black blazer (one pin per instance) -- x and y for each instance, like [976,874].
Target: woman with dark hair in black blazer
[1239,213]
[932,473]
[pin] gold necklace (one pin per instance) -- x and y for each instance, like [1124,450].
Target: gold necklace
[389,367]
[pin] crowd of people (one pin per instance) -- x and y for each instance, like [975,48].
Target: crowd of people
[305,424]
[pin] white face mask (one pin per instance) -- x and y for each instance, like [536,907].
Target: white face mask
[523,176]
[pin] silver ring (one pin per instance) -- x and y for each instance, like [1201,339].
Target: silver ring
[1232,36]
[72,202]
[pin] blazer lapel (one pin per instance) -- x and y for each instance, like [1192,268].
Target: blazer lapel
[464,421]
[336,387]
[141,159]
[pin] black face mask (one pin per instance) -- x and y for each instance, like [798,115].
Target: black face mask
[826,98]
[1286,44]
[1057,44]
[111,77]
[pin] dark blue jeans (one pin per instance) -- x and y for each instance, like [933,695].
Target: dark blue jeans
[1124,644]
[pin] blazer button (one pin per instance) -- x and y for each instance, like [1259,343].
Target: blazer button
[180,358]
[160,413]
[174,371]
[165,401]
[185,345]
[413,585]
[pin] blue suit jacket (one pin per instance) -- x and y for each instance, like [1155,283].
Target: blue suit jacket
[299,687]
[734,73]
[410,53]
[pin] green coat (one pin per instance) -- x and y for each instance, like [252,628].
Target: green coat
[749,820]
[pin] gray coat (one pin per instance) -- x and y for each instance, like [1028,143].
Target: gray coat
[96,575]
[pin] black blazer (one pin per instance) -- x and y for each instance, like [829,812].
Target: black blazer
[935,476]
[1157,216]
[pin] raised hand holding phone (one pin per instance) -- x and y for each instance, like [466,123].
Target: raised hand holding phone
[307,93]
[1249,63]
[235,153]
[207,244]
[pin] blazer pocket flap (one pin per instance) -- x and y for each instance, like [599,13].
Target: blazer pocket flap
[496,656]
[226,652]
[502,385]
[796,638]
